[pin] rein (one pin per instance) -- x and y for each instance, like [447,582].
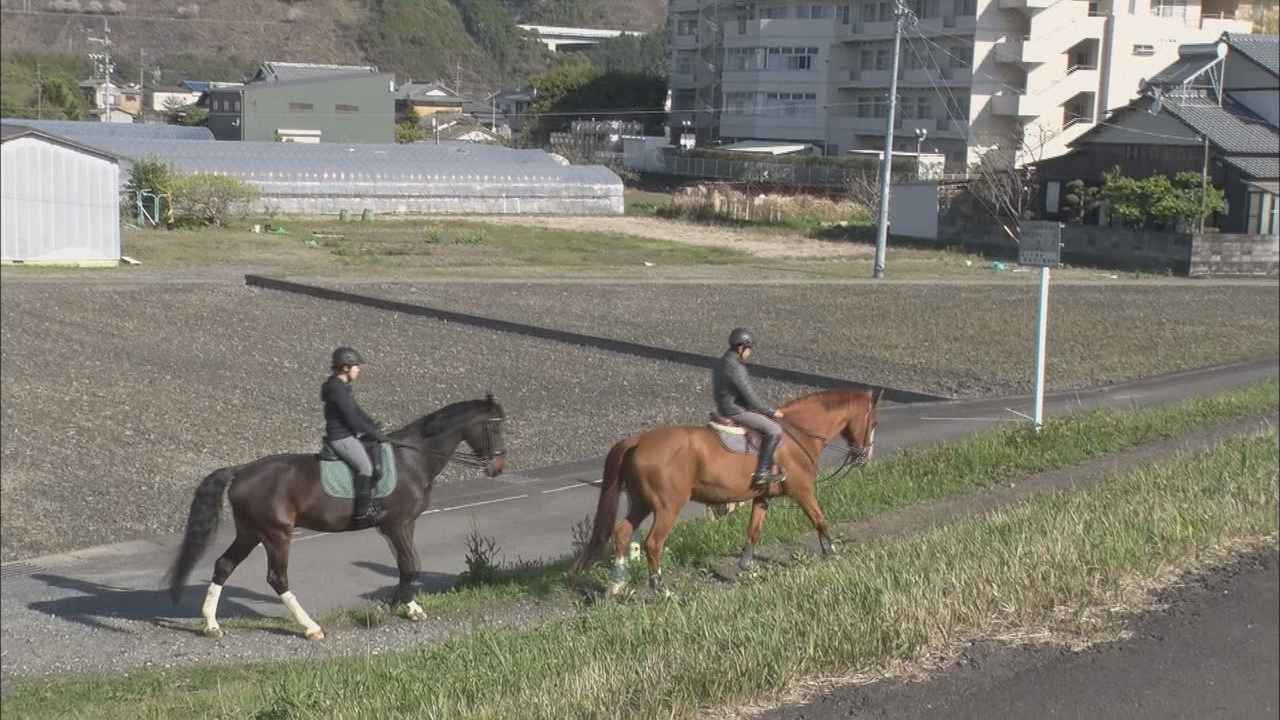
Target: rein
[466,458]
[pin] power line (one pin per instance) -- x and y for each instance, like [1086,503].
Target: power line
[149,18]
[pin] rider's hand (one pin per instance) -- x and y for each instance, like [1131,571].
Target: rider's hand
[777,414]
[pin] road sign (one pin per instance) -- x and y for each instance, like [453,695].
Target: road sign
[1040,243]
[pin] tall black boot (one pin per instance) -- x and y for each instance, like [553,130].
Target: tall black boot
[367,512]
[764,464]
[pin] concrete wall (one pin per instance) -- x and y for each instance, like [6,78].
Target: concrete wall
[1088,245]
[1232,254]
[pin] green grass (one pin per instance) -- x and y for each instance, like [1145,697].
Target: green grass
[1085,551]
[410,244]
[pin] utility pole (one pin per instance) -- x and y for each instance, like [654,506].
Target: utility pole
[1204,184]
[39,92]
[102,62]
[882,225]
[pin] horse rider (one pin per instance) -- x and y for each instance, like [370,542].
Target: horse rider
[737,401]
[344,423]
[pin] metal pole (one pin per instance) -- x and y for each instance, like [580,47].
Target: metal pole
[882,225]
[1040,333]
[1204,184]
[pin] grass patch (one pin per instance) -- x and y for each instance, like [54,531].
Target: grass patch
[313,245]
[1087,552]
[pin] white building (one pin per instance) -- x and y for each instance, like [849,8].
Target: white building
[1025,76]
[60,200]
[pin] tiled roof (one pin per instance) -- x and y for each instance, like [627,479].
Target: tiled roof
[1262,49]
[434,92]
[1231,127]
[1255,166]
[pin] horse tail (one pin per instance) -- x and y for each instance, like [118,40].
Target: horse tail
[202,522]
[607,508]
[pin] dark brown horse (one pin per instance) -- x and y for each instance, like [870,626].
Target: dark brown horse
[273,495]
[665,468]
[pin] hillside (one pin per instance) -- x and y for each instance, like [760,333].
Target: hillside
[217,39]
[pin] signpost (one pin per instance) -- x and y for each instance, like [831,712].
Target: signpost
[1040,244]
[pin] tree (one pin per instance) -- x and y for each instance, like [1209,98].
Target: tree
[576,88]
[1158,201]
[1078,200]
[637,54]
[209,199]
[409,131]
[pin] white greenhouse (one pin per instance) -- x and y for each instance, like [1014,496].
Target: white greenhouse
[61,200]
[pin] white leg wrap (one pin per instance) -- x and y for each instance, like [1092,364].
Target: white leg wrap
[210,609]
[298,613]
[414,610]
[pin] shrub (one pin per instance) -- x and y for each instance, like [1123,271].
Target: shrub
[208,199]
[150,175]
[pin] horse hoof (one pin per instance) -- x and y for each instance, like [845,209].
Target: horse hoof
[315,635]
[615,589]
[213,632]
[416,616]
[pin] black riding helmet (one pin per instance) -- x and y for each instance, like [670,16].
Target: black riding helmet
[740,336]
[346,356]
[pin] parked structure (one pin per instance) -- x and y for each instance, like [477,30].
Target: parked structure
[516,104]
[60,200]
[426,99]
[1024,77]
[1229,93]
[343,103]
[570,39]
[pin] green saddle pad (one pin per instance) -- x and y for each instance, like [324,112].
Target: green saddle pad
[335,476]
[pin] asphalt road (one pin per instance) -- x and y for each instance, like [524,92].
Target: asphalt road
[1211,650]
[52,605]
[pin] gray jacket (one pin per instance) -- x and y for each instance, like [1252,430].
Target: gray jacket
[731,388]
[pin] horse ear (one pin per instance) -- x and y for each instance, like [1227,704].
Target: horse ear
[488,398]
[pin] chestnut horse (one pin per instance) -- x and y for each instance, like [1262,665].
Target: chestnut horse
[273,495]
[665,468]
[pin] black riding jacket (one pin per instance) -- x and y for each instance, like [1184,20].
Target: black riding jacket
[342,416]
[731,388]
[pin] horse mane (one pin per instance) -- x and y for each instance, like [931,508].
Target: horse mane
[829,399]
[450,416]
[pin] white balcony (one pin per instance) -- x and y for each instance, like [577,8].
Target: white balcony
[1023,52]
[1020,106]
[1029,7]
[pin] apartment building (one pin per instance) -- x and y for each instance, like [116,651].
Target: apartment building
[1020,77]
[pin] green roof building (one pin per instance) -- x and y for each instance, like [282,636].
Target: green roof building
[303,102]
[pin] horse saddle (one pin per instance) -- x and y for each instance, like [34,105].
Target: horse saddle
[336,475]
[735,437]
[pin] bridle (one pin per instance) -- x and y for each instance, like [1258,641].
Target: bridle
[855,456]
[491,431]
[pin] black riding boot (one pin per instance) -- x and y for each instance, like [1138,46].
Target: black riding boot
[764,465]
[367,511]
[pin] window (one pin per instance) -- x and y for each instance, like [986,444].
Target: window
[1263,218]
[742,25]
[886,11]
[301,107]
[881,106]
[687,27]
[924,108]
[773,13]
[235,106]
[789,104]
[842,12]
[961,56]
[865,106]
[1144,50]
[1132,152]
[869,12]
[882,59]
[966,7]
[866,60]
[346,108]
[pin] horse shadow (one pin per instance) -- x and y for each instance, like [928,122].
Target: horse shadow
[98,603]
[430,583]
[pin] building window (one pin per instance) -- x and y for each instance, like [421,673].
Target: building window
[966,7]
[882,59]
[1144,50]
[346,108]
[961,56]
[843,13]
[774,13]
[300,107]
[235,106]
[686,27]
[866,60]
[869,12]
[1262,214]
[865,106]
[1132,152]
[785,104]
[684,62]
[924,108]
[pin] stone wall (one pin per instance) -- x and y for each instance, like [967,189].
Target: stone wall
[1109,247]
[1235,254]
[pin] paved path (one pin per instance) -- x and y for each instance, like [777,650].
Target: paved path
[1213,651]
[49,603]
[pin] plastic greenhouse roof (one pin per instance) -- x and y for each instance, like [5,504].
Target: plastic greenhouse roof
[330,167]
[83,130]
